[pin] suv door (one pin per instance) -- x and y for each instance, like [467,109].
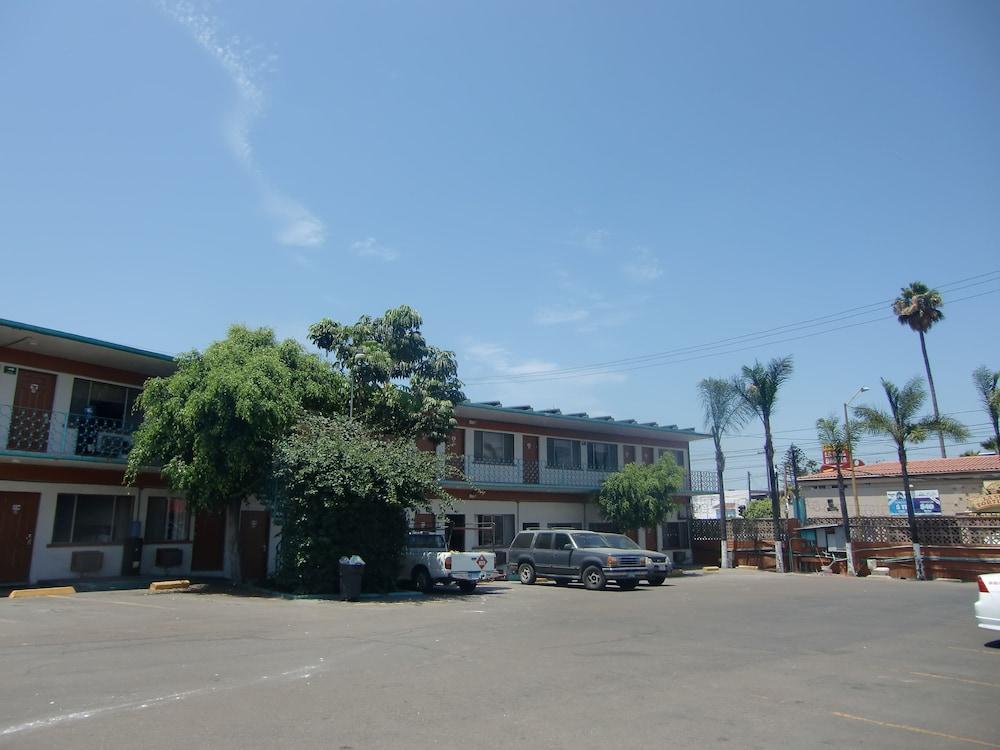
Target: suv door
[560,557]
[542,552]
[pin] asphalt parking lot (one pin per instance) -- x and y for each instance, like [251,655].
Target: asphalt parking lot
[736,659]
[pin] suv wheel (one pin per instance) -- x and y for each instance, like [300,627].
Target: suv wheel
[526,572]
[655,580]
[627,585]
[593,578]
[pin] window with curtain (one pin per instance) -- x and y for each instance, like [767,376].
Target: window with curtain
[501,534]
[494,447]
[602,456]
[92,519]
[563,454]
[167,520]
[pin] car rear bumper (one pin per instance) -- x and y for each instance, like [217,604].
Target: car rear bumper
[987,617]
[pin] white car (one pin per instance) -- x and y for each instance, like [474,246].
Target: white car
[988,605]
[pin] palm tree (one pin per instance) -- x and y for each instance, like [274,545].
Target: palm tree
[919,307]
[724,411]
[758,387]
[835,438]
[903,426]
[986,382]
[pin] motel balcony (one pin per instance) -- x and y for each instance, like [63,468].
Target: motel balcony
[522,472]
[57,434]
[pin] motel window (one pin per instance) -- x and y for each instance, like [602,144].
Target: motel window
[563,454]
[167,520]
[602,456]
[675,535]
[105,401]
[566,525]
[92,519]
[529,525]
[495,530]
[494,447]
[677,455]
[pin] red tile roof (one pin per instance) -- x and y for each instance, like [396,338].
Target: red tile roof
[917,467]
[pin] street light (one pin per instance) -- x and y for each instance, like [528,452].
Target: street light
[848,545]
[850,455]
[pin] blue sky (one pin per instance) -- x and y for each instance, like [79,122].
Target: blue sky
[550,185]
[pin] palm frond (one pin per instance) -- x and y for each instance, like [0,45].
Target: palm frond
[722,406]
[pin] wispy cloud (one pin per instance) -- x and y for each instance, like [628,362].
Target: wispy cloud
[491,362]
[244,65]
[557,315]
[596,240]
[370,248]
[643,266]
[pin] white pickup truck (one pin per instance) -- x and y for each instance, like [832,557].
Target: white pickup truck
[428,561]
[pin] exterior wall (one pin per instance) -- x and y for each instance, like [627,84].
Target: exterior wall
[955,492]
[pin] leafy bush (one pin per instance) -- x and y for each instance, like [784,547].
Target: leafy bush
[341,492]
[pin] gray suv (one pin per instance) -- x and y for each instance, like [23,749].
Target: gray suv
[566,555]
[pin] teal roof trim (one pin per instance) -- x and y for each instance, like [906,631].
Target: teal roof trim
[581,418]
[86,340]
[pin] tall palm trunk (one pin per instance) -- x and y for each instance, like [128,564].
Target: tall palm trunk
[918,561]
[720,467]
[845,518]
[772,488]
[930,383]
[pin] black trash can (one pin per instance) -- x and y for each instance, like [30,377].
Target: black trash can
[351,571]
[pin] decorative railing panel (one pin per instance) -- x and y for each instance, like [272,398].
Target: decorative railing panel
[938,530]
[58,433]
[520,471]
[740,529]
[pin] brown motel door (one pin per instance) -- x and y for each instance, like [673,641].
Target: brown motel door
[209,548]
[530,444]
[254,533]
[18,514]
[32,411]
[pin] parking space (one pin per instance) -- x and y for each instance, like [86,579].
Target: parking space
[740,658]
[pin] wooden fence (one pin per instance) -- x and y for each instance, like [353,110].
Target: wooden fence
[952,546]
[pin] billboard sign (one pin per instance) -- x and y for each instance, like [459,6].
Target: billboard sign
[925,502]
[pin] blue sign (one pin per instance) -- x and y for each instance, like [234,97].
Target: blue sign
[925,502]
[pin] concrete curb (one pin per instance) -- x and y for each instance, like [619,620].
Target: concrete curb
[711,569]
[169,585]
[50,591]
[394,595]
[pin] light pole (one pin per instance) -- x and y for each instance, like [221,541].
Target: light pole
[850,454]
[848,544]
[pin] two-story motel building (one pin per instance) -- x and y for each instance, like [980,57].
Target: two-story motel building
[66,422]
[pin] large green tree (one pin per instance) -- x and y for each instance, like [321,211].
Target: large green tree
[903,425]
[758,386]
[987,384]
[345,491]
[919,307]
[400,384]
[211,426]
[639,495]
[723,411]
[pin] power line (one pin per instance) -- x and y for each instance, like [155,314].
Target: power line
[724,346]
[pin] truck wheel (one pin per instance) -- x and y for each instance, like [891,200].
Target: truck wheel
[422,580]
[627,585]
[466,587]
[593,578]
[526,572]
[655,580]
